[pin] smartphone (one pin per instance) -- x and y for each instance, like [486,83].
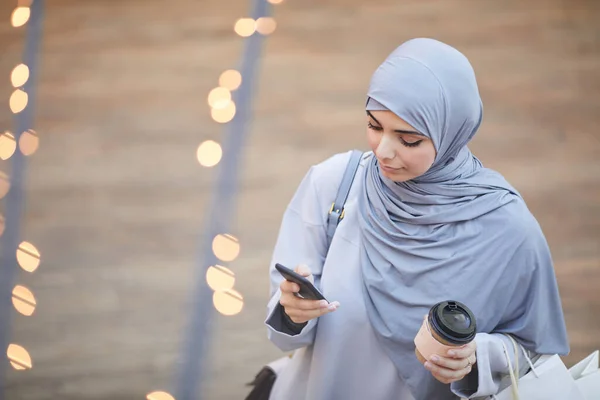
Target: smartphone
[307,289]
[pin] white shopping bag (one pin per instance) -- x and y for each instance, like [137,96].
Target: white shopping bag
[587,376]
[549,379]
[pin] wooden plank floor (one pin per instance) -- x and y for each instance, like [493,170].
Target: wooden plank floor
[116,199]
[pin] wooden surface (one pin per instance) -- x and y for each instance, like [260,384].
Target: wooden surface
[116,198]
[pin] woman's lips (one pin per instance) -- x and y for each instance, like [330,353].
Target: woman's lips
[390,169]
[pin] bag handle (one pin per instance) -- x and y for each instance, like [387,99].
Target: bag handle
[519,345]
[529,361]
[336,212]
[514,374]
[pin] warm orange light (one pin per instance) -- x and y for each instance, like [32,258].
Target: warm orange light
[19,357]
[29,142]
[266,25]
[219,97]
[19,75]
[220,278]
[28,256]
[230,79]
[275,1]
[4,184]
[159,396]
[209,153]
[223,115]
[228,302]
[245,27]
[226,247]
[8,144]
[20,16]
[23,300]
[18,101]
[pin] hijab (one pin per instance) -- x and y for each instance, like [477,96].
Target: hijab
[458,232]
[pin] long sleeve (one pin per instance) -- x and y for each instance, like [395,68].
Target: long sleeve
[533,318]
[491,372]
[301,240]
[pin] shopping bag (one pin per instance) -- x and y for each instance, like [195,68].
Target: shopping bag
[548,379]
[586,374]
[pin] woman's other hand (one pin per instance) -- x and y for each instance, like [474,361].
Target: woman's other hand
[302,310]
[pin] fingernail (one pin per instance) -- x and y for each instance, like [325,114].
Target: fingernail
[427,364]
[435,359]
[332,307]
[323,303]
[451,353]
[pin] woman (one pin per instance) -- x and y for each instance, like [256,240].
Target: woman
[424,222]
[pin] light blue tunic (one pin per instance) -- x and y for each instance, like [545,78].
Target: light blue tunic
[338,355]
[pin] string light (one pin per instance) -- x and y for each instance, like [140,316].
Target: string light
[23,300]
[228,302]
[8,145]
[223,115]
[28,256]
[19,75]
[226,247]
[230,79]
[18,101]
[219,97]
[4,184]
[245,27]
[29,142]
[20,16]
[209,153]
[265,25]
[159,396]
[19,357]
[220,278]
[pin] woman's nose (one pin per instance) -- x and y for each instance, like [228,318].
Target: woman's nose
[385,150]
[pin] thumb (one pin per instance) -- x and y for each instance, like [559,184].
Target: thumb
[304,270]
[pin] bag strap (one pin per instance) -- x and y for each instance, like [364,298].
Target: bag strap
[336,212]
[514,376]
[514,383]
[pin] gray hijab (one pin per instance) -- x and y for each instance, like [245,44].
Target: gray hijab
[458,232]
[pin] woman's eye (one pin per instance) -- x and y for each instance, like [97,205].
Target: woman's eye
[375,128]
[411,144]
[404,142]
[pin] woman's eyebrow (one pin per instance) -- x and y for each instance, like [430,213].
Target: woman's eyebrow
[408,132]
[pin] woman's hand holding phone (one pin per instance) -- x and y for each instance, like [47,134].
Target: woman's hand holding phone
[301,310]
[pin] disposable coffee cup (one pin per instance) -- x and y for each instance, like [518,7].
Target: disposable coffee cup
[448,325]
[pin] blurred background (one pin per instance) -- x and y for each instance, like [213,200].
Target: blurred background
[116,197]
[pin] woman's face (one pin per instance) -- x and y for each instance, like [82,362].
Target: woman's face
[402,152]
